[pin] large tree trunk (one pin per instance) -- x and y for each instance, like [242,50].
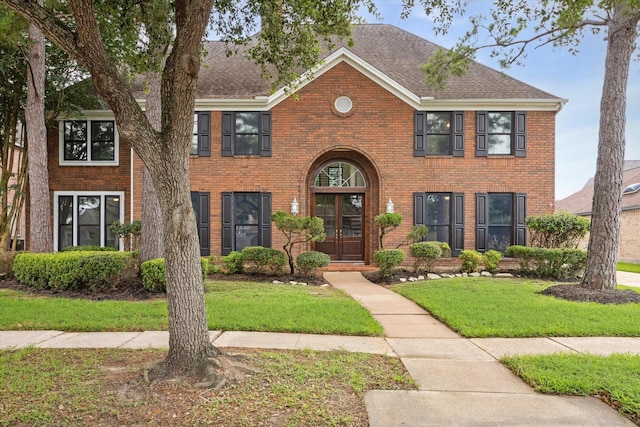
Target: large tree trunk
[602,257]
[151,241]
[40,235]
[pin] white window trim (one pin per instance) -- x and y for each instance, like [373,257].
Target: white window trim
[88,120]
[75,194]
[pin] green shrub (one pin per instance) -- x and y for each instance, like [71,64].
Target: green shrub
[559,263]
[307,262]
[72,270]
[153,274]
[491,260]
[387,260]
[470,261]
[88,249]
[557,230]
[446,249]
[424,254]
[6,263]
[258,259]
[212,265]
[233,263]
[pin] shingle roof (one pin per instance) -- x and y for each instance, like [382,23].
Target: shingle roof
[396,53]
[580,202]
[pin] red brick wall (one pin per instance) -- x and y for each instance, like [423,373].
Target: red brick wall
[378,136]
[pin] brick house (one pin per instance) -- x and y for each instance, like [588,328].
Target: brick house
[580,203]
[470,162]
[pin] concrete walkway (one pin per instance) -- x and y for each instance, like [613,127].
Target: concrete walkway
[460,380]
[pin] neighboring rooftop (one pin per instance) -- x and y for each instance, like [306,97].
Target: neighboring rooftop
[580,202]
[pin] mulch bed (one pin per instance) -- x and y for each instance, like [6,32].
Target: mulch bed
[576,292]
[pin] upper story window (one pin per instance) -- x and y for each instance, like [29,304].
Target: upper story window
[88,142]
[501,133]
[438,133]
[201,140]
[246,133]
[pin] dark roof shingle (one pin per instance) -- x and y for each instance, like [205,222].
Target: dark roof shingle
[395,52]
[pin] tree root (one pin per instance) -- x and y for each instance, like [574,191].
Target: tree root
[225,369]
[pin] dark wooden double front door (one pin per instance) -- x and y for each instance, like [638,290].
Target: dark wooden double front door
[343,216]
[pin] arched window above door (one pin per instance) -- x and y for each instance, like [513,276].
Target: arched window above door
[340,174]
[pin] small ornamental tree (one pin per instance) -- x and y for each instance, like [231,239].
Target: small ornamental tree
[387,222]
[417,234]
[298,230]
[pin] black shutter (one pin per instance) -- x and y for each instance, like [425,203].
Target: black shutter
[265,134]
[520,133]
[419,200]
[227,223]
[482,124]
[457,239]
[265,220]
[204,134]
[420,134]
[457,133]
[482,221]
[200,204]
[520,220]
[228,128]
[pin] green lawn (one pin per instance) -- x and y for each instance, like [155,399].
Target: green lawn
[631,268]
[486,307]
[615,378]
[230,306]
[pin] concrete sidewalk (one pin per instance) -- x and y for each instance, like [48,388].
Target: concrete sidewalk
[460,380]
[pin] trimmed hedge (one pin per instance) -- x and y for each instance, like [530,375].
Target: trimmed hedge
[387,260]
[425,254]
[470,261]
[307,262]
[561,263]
[233,263]
[261,260]
[491,260]
[72,270]
[153,277]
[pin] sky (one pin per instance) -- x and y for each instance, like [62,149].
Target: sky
[578,78]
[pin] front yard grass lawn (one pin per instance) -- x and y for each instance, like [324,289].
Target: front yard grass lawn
[628,267]
[231,306]
[500,307]
[615,379]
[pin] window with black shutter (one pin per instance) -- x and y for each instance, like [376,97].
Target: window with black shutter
[500,220]
[246,133]
[201,140]
[246,221]
[438,133]
[501,133]
[443,214]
